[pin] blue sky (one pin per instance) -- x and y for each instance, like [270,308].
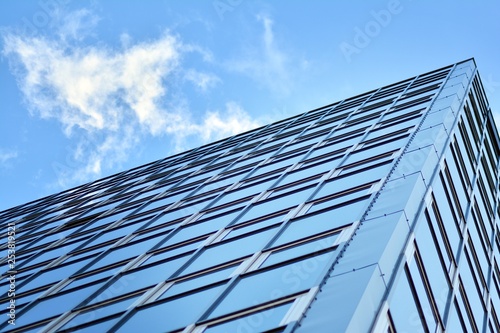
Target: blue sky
[92,87]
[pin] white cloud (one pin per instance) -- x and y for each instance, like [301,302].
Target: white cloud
[75,25]
[218,125]
[204,81]
[92,88]
[7,155]
[126,40]
[266,64]
[111,100]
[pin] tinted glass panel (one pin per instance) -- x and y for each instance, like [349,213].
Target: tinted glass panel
[254,323]
[230,250]
[301,249]
[272,284]
[171,315]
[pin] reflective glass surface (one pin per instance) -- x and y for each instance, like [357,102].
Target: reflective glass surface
[227,236]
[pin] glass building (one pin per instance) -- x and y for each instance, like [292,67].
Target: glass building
[378,213]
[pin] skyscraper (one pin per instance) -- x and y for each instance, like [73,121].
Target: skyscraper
[376,213]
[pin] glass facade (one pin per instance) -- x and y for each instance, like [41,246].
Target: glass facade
[376,213]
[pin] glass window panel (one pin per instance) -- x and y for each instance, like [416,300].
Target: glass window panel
[103,326]
[261,287]
[97,210]
[165,201]
[388,143]
[253,323]
[461,146]
[320,166]
[300,147]
[141,193]
[255,226]
[199,198]
[313,224]
[455,320]
[471,289]
[483,215]
[99,312]
[251,190]
[274,141]
[324,152]
[22,300]
[113,234]
[48,255]
[197,205]
[246,165]
[44,240]
[93,277]
[436,273]
[230,250]
[263,177]
[482,262]
[53,275]
[138,218]
[334,200]
[171,216]
[85,253]
[45,226]
[171,315]
[347,131]
[423,296]
[36,329]
[106,220]
[269,206]
[464,307]
[299,250]
[227,213]
[273,166]
[57,305]
[125,252]
[442,244]
[146,233]
[367,157]
[70,244]
[195,180]
[451,228]
[173,252]
[299,186]
[195,230]
[405,315]
[139,279]
[341,184]
[342,141]
[301,174]
[293,196]
[20,276]
[199,281]
[284,185]
[377,134]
